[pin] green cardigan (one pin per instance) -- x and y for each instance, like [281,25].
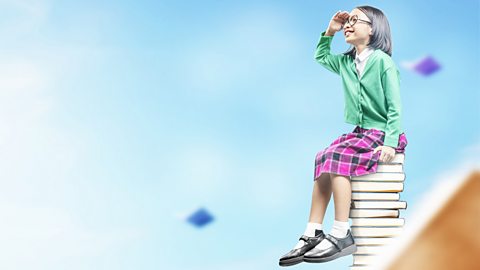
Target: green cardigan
[373,101]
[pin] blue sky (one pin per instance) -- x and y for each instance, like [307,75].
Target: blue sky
[118,118]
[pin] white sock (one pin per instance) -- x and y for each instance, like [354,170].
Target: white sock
[309,231]
[339,230]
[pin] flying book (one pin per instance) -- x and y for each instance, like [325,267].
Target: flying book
[377,186]
[379,205]
[366,196]
[425,66]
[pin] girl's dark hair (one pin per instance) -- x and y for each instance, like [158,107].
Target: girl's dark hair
[381,37]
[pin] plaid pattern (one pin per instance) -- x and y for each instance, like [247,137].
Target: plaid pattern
[351,154]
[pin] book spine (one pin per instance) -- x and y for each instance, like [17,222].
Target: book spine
[376,187]
[379,205]
[368,196]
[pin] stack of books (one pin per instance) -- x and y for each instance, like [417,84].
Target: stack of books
[375,210]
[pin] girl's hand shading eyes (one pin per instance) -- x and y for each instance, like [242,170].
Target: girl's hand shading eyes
[337,21]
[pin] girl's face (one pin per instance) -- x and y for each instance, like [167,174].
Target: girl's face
[360,32]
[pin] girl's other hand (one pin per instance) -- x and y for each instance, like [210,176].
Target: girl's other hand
[337,21]
[387,153]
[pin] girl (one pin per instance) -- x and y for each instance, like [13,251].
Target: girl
[371,83]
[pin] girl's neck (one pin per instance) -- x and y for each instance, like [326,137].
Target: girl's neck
[359,48]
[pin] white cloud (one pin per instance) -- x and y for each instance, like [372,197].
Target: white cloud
[38,157]
[199,169]
[48,238]
[269,187]
[29,15]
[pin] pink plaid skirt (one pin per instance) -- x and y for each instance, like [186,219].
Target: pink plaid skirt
[351,154]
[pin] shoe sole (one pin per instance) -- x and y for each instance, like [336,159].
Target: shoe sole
[291,261]
[346,251]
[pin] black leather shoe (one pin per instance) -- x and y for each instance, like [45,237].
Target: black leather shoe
[296,255]
[340,247]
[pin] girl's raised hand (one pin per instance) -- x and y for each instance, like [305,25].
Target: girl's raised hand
[337,21]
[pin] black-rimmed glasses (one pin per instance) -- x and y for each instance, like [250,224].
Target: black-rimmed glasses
[352,20]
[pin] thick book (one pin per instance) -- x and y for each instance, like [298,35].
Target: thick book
[391,168]
[372,213]
[379,205]
[377,186]
[378,222]
[376,231]
[364,196]
[373,241]
[381,177]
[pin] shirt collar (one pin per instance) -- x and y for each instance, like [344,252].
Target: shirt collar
[364,54]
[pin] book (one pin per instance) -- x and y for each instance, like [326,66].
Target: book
[378,222]
[369,250]
[399,158]
[372,241]
[429,242]
[391,168]
[364,259]
[376,231]
[379,205]
[367,213]
[380,176]
[377,186]
[361,267]
[364,196]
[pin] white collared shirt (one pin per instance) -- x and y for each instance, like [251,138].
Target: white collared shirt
[361,59]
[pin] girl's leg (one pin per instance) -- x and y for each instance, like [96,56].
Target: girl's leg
[322,192]
[342,196]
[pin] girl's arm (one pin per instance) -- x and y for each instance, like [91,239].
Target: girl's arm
[323,55]
[322,52]
[391,86]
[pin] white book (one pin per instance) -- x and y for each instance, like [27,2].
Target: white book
[378,222]
[376,231]
[377,186]
[379,205]
[361,267]
[399,158]
[371,213]
[375,196]
[391,168]
[365,259]
[373,241]
[381,177]
[369,250]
